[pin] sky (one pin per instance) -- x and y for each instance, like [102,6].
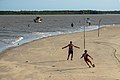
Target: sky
[41,5]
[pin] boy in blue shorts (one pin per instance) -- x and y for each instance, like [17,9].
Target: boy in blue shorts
[70,50]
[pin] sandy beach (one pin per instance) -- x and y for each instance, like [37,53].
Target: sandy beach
[45,59]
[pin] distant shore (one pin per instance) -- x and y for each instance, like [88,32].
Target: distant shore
[57,12]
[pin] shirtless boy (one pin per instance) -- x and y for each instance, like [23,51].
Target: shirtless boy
[70,49]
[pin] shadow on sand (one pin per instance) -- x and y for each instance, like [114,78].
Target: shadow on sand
[58,70]
[68,69]
[47,62]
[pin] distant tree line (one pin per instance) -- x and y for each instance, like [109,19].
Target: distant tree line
[57,12]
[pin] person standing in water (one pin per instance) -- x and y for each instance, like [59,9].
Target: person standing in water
[86,59]
[72,24]
[70,49]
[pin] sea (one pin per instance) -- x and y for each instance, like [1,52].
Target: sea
[16,30]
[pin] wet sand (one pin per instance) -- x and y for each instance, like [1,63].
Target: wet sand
[45,59]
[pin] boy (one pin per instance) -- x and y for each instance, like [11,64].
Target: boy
[85,55]
[70,50]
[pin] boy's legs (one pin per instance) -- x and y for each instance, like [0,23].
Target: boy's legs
[87,60]
[92,64]
[68,56]
[71,56]
[70,52]
[88,64]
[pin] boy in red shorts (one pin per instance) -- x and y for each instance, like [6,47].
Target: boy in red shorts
[85,55]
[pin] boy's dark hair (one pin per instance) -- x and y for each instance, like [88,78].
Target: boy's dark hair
[85,51]
[70,41]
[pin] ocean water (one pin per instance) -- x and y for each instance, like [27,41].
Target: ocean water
[16,30]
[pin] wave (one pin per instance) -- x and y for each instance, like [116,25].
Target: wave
[17,40]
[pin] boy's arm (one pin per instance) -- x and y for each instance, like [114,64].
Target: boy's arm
[65,47]
[82,56]
[76,47]
[90,57]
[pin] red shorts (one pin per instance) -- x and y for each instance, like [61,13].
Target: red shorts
[87,60]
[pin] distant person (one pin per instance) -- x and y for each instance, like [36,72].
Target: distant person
[79,21]
[86,55]
[37,20]
[88,21]
[28,25]
[72,24]
[70,50]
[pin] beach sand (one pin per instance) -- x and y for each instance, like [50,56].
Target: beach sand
[45,59]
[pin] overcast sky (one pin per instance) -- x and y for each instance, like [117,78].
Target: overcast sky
[59,5]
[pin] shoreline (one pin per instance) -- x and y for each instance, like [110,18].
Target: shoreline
[46,59]
[24,41]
